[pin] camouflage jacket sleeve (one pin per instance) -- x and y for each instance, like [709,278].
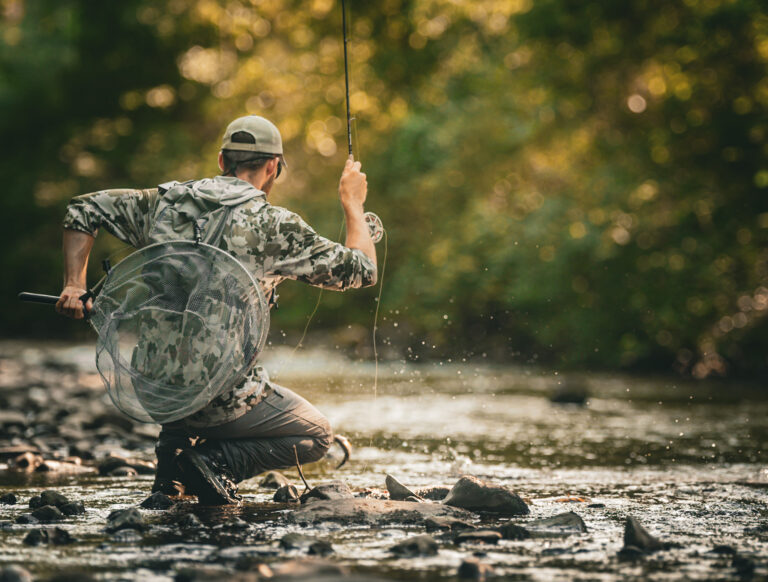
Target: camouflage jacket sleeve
[302,254]
[125,213]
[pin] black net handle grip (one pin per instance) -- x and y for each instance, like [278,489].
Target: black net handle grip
[38,298]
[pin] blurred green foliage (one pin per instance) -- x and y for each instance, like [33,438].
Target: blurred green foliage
[578,183]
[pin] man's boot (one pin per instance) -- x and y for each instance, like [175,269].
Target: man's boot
[167,475]
[204,473]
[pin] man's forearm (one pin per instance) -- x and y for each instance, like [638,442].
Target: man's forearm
[358,234]
[77,247]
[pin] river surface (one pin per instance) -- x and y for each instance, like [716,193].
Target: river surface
[688,460]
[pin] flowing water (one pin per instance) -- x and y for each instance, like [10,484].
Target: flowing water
[688,460]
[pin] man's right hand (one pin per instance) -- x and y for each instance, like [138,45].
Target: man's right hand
[353,186]
[69,303]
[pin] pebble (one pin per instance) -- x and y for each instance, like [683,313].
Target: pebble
[286,494]
[398,491]
[423,545]
[329,491]
[563,524]
[475,495]
[8,499]
[61,537]
[158,500]
[35,537]
[446,524]
[636,536]
[73,508]
[48,514]
[125,519]
[512,531]
[190,520]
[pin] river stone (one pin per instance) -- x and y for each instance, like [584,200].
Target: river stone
[48,514]
[329,491]
[8,499]
[35,537]
[158,500]
[636,536]
[437,493]
[26,518]
[372,511]
[274,480]
[398,491]
[14,574]
[446,524]
[483,536]
[51,498]
[73,508]
[61,537]
[512,531]
[126,536]
[473,569]
[286,494]
[309,544]
[475,495]
[423,545]
[125,519]
[561,525]
[190,520]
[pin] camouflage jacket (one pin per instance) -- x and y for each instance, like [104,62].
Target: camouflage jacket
[273,243]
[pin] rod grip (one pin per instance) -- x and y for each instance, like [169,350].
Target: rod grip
[38,298]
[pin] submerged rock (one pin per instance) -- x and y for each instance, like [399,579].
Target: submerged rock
[48,514]
[311,545]
[286,494]
[157,500]
[8,499]
[190,520]
[35,537]
[637,541]
[446,524]
[48,498]
[473,569]
[512,531]
[475,495]
[125,519]
[274,480]
[483,536]
[561,525]
[73,508]
[398,491]
[14,574]
[328,491]
[61,537]
[423,545]
[372,511]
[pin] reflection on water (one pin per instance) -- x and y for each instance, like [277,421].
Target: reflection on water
[686,459]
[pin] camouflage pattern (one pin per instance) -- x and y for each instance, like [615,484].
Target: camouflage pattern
[273,243]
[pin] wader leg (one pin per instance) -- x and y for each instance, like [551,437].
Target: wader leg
[171,441]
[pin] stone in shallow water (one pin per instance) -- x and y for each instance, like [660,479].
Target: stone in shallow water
[61,537]
[48,514]
[311,545]
[329,491]
[8,499]
[416,546]
[126,536]
[286,494]
[73,508]
[27,462]
[475,495]
[35,537]
[274,480]
[125,519]
[157,500]
[14,574]
[512,531]
[561,525]
[636,536]
[446,524]
[473,569]
[482,536]
[190,520]
[398,491]
[372,511]
[437,493]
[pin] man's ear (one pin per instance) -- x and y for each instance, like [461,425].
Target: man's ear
[221,161]
[272,166]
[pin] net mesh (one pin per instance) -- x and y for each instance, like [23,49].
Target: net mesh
[178,324]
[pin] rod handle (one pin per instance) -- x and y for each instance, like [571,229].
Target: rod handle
[38,298]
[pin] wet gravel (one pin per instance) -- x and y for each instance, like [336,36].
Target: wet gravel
[687,461]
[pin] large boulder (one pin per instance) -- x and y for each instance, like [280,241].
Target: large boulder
[373,511]
[475,495]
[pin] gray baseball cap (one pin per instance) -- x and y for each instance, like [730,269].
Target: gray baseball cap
[266,136]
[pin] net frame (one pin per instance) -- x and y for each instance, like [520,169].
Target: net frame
[205,349]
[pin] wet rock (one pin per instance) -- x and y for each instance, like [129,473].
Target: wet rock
[473,569]
[61,537]
[8,499]
[274,480]
[475,495]
[446,524]
[235,524]
[596,505]
[416,546]
[124,471]
[309,544]
[157,500]
[26,519]
[14,574]
[126,536]
[119,466]
[482,536]
[286,494]
[372,511]
[73,508]
[125,519]
[190,520]
[35,501]
[48,514]
[433,493]
[36,537]
[745,567]
[561,525]
[398,491]
[512,531]
[724,550]
[27,462]
[328,491]
[636,536]
[52,498]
